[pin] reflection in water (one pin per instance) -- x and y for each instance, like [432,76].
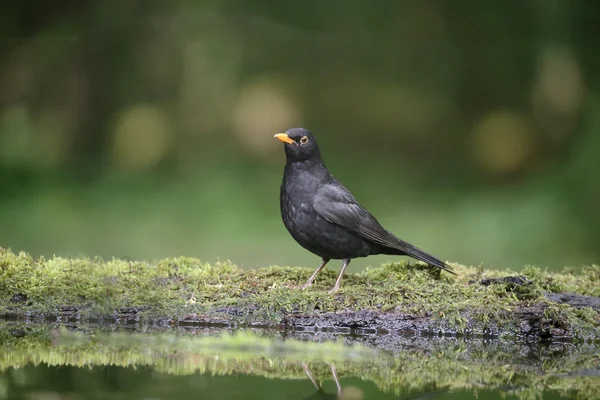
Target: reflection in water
[36,360]
[356,393]
[320,394]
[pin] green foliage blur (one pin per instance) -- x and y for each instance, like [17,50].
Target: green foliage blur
[144,129]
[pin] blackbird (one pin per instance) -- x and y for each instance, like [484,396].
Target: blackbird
[324,217]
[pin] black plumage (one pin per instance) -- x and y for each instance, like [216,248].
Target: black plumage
[324,217]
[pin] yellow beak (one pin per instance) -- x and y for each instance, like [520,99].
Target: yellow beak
[284,138]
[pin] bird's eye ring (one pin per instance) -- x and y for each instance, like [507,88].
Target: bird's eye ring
[304,140]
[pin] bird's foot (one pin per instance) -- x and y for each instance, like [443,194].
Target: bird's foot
[306,285]
[334,290]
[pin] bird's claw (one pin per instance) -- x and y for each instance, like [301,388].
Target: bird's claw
[334,290]
[306,285]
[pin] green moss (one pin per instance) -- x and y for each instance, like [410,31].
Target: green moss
[446,364]
[585,280]
[186,288]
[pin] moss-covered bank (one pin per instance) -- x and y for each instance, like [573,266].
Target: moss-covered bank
[526,370]
[391,298]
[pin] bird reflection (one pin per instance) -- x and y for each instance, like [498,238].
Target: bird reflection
[320,393]
[428,392]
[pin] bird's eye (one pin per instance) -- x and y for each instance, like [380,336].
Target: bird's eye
[304,140]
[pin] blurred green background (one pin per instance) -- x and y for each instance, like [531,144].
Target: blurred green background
[144,129]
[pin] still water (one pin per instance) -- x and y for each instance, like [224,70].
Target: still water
[48,362]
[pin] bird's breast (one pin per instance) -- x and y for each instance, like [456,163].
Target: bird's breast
[296,205]
[308,228]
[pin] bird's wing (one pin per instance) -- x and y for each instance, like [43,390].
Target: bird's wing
[336,204]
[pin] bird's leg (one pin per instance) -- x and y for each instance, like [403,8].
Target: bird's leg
[335,377]
[336,287]
[314,275]
[311,377]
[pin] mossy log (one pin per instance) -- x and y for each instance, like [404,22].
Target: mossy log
[394,298]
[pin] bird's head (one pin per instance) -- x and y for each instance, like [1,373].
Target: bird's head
[299,144]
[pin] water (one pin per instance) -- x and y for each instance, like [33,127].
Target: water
[48,362]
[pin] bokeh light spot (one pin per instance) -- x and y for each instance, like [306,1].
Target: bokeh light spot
[263,109]
[502,142]
[141,138]
[351,393]
[559,81]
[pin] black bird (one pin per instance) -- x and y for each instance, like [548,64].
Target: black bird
[324,217]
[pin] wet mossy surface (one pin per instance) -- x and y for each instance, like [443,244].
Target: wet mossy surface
[396,297]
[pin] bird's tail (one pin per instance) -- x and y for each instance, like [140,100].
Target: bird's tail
[420,255]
